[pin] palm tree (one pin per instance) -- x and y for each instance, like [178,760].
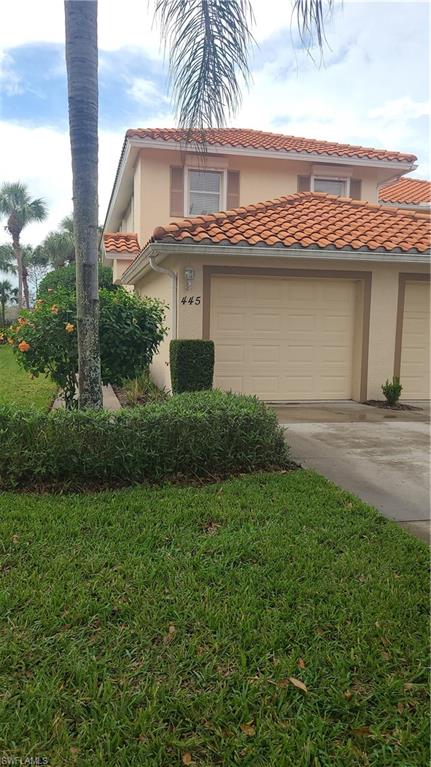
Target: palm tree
[59,248]
[7,259]
[82,82]
[7,295]
[36,263]
[19,209]
[209,43]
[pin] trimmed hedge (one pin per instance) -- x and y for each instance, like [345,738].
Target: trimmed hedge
[206,434]
[192,365]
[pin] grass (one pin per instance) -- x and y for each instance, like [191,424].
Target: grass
[18,388]
[154,626]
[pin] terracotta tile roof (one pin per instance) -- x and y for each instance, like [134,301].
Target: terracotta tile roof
[121,242]
[254,139]
[307,220]
[410,191]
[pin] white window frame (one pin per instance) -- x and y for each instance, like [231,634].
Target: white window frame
[323,177]
[223,187]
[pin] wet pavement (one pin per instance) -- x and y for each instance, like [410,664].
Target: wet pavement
[382,456]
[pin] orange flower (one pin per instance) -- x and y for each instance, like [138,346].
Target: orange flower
[54,309]
[22,321]
[39,302]
[69,328]
[23,346]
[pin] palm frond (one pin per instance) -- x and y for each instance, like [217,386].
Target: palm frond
[15,200]
[311,17]
[208,43]
[7,258]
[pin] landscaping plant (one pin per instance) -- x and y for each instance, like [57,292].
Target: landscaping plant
[142,390]
[202,434]
[192,365]
[392,390]
[65,277]
[45,339]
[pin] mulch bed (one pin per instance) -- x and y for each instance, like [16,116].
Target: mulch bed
[386,406]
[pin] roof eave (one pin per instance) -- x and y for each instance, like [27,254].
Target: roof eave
[140,266]
[279,154]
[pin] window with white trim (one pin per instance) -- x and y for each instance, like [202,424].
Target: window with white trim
[204,194]
[330,185]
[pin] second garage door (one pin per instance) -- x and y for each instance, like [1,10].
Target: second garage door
[415,349]
[284,339]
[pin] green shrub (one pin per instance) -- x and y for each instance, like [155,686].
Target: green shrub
[65,277]
[191,364]
[142,390]
[392,390]
[45,339]
[204,434]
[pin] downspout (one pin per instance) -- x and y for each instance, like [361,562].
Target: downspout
[173,276]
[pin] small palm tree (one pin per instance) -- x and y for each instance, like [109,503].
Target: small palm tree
[8,294]
[19,209]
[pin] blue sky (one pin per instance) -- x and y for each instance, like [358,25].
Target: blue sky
[372,87]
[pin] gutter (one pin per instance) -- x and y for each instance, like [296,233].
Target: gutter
[164,249]
[163,270]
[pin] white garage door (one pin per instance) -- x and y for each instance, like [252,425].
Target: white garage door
[283,339]
[415,349]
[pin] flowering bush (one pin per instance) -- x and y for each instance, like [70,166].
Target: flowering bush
[45,339]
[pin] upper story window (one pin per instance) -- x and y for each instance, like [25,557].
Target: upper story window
[204,192]
[336,186]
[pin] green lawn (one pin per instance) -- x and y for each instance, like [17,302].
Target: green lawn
[154,626]
[16,386]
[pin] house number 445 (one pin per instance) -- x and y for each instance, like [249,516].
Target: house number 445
[191,300]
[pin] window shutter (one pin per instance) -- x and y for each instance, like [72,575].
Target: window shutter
[177,191]
[303,183]
[232,192]
[356,188]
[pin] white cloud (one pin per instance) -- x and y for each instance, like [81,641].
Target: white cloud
[145,92]
[10,82]
[371,89]
[41,159]
[401,109]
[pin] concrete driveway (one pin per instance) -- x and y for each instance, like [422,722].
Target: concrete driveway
[383,456]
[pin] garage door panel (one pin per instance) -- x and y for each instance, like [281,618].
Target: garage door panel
[415,342]
[336,354]
[297,346]
[266,323]
[298,291]
[301,322]
[265,353]
[230,353]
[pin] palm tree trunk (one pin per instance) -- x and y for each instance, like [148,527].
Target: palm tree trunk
[18,255]
[81,64]
[3,313]
[25,286]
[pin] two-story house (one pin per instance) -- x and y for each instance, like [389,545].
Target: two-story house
[309,288]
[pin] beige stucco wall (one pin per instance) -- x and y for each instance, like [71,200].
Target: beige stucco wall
[260,179]
[383,309]
[119,266]
[156,285]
